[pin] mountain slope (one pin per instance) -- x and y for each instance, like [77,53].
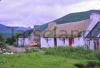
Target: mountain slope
[7,31]
[74,17]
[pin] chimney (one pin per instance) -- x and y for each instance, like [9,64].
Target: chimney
[37,34]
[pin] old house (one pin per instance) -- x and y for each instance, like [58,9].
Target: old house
[84,33]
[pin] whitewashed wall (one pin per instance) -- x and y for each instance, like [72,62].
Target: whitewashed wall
[20,41]
[77,42]
[50,43]
[92,44]
[45,44]
[24,41]
[60,42]
[27,42]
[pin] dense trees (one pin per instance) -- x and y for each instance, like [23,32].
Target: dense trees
[12,40]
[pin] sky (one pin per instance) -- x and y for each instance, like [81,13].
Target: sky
[28,13]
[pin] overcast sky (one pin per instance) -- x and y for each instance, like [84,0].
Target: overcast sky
[30,12]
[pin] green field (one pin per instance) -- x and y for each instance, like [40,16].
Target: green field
[50,58]
[36,61]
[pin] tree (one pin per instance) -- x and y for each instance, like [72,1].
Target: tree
[11,40]
[2,40]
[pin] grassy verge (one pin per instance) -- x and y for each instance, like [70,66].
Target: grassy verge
[75,53]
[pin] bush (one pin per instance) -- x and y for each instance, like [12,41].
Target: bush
[33,50]
[2,45]
[97,54]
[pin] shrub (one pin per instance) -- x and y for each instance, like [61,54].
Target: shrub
[77,52]
[97,54]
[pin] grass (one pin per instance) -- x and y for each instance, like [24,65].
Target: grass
[32,60]
[60,57]
[74,53]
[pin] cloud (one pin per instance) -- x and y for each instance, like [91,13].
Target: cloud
[30,12]
[84,6]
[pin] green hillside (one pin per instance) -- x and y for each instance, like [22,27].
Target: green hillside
[8,31]
[74,17]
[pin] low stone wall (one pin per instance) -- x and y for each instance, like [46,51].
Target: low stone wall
[16,49]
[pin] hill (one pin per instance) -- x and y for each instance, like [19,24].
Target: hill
[74,17]
[8,31]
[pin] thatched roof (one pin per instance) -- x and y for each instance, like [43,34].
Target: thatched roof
[62,30]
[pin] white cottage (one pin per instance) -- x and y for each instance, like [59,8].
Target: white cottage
[88,40]
[85,33]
